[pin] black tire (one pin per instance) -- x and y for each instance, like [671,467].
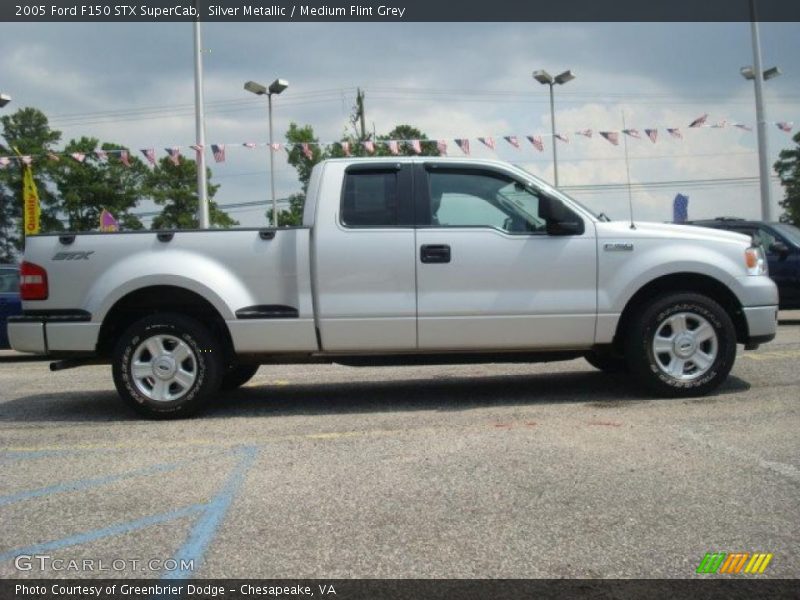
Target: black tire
[606,361]
[683,362]
[186,384]
[237,376]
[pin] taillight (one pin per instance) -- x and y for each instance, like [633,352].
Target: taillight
[32,282]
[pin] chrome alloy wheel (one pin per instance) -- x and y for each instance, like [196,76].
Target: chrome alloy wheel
[163,368]
[685,346]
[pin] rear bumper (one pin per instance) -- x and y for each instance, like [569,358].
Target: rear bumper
[762,323]
[65,331]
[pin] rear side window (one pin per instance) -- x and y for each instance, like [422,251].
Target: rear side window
[9,281]
[370,199]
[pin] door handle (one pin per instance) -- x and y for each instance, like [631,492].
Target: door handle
[434,253]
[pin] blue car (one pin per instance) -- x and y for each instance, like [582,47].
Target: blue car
[9,299]
[781,243]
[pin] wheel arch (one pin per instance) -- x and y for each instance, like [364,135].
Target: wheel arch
[154,299]
[682,282]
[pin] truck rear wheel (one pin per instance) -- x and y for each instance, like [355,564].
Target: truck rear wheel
[166,366]
[681,345]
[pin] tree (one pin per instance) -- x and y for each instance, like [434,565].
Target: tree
[175,188]
[28,132]
[788,169]
[87,187]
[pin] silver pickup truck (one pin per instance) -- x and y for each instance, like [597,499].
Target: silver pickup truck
[398,261]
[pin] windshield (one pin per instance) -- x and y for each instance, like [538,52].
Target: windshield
[601,215]
[790,232]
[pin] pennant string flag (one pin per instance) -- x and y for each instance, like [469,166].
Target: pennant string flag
[699,121]
[743,126]
[369,146]
[250,145]
[79,156]
[346,148]
[53,157]
[513,140]
[634,133]
[537,142]
[611,136]
[101,154]
[675,132]
[218,150]
[150,155]
[393,147]
[487,141]
[108,222]
[680,209]
[416,146]
[441,146]
[585,133]
[785,126]
[174,155]
[563,137]
[275,146]
[125,158]
[463,143]
[652,134]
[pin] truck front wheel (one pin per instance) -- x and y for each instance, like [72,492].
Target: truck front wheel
[681,345]
[237,375]
[167,366]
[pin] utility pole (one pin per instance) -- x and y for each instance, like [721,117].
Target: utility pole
[360,110]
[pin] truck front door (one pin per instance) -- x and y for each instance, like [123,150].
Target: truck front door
[491,274]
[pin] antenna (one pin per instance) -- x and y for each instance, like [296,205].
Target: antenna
[627,169]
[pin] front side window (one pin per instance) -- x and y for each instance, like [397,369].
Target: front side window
[370,199]
[482,199]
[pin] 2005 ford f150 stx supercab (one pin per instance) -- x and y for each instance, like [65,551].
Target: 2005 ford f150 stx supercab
[398,261]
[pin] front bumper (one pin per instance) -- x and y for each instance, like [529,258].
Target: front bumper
[762,323]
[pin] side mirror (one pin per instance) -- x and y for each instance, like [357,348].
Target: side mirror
[559,219]
[779,248]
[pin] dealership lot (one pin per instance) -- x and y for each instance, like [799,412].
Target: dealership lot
[551,470]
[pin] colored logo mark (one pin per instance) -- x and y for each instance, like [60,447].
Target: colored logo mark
[734,562]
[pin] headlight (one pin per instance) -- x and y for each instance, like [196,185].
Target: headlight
[754,261]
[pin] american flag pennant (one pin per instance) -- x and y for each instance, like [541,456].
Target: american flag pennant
[634,133]
[675,132]
[463,143]
[275,146]
[125,158]
[537,142]
[4,162]
[487,141]
[785,126]
[174,155]
[27,159]
[101,154]
[150,155]
[652,134]
[346,148]
[369,146]
[198,149]
[218,150]
[611,136]
[721,125]
[393,147]
[743,126]
[250,145]
[307,152]
[585,133]
[512,139]
[441,146]
[79,156]
[699,121]
[416,146]
[563,137]
[53,157]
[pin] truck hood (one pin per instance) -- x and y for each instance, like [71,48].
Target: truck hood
[622,230]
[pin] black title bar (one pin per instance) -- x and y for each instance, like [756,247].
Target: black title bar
[256,11]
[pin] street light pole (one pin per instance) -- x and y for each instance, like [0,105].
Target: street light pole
[545,78]
[200,129]
[761,122]
[276,87]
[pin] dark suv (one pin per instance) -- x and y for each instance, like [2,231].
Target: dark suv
[781,243]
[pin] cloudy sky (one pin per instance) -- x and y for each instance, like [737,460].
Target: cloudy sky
[133,84]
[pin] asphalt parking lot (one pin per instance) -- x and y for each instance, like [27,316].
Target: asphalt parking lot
[501,471]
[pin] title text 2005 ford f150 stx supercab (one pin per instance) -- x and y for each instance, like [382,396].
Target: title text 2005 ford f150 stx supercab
[398,261]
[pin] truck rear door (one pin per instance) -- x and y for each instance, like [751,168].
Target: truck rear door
[363,256]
